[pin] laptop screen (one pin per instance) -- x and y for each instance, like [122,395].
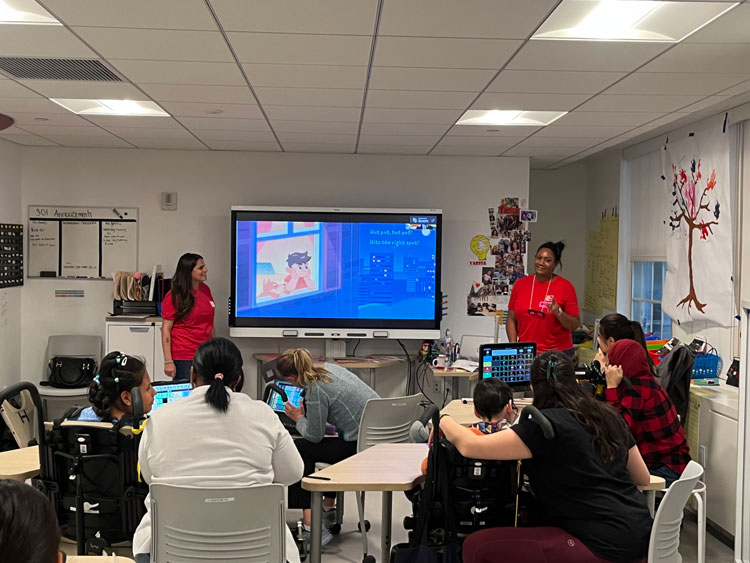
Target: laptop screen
[510,363]
[294,394]
[170,392]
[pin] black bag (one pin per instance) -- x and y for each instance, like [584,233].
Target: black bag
[67,372]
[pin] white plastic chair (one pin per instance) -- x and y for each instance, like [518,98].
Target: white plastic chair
[665,533]
[238,524]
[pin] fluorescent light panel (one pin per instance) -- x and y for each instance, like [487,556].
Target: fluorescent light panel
[509,117]
[629,20]
[25,12]
[111,107]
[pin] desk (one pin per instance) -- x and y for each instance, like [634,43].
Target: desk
[19,465]
[383,467]
[98,559]
[656,484]
[463,413]
[456,375]
[370,363]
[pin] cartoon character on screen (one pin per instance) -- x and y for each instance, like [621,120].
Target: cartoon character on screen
[299,274]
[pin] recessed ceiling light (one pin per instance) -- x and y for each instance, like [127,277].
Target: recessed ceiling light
[509,117]
[629,20]
[25,12]
[111,107]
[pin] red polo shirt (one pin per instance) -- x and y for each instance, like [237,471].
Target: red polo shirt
[546,331]
[195,328]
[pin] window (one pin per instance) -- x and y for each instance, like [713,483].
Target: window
[648,284]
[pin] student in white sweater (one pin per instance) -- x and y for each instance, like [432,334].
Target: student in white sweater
[216,437]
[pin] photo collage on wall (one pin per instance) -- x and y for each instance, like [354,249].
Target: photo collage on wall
[501,257]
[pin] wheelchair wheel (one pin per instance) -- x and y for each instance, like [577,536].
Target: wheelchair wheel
[367,529]
[335,529]
[368,559]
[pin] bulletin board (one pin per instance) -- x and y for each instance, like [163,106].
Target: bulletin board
[82,242]
[11,255]
[601,267]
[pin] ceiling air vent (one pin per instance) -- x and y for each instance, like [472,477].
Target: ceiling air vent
[57,69]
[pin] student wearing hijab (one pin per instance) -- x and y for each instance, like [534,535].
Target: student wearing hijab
[647,409]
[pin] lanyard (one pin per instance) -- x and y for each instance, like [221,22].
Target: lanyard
[531,297]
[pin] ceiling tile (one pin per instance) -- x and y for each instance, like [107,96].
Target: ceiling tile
[539,102]
[340,148]
[412,115]
[53,119]
[224,124]
[254,146]
[21,137]
[180,72]
[199,93]
[731,27]
[393,140]
[553,81]
[540,152]
[538,163]
[342,127]
[675,82]
[741,88]
[158,138]
[312,138]
[498,144]
[348,17]
[299,49]
[331,97]
[705,103]
[703,58]
[79,136]
[207,135]
[418,99]
[306,76]
[562,142]
[607,118]
[188,143]
[41,41]
[157,44]
[10,89]
[431,52]
[636,103]
[457,150]
[164,14]
[455,80]
[492,131]
[582,130]
[150,122]
[225,111]
[305,113]
[584,55]
[29,105]
[468,18]
[370,128]
[85,89]
[393,149]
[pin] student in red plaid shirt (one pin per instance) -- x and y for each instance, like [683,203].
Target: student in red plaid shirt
[647,409]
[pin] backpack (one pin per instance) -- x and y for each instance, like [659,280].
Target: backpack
[68,372]
[674,374]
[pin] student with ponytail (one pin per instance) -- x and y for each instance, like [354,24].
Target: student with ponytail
[614,327]
[109,392]
[332,394]
[583,478]
[216,436]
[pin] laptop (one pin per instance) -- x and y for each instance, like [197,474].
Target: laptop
[276,400]
[169,392]
[510,362]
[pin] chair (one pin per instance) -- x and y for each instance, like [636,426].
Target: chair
[665,533]
[238,524]
[74,345]
[21,408]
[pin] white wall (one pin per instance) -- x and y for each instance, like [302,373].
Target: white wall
[10,298]
[560,198]
[209,183]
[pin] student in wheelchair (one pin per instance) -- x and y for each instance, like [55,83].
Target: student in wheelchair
[583,475]
[89,459]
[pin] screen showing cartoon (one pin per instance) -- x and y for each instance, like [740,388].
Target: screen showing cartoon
[336,266]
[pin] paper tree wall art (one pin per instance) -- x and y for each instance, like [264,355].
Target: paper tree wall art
[694,214]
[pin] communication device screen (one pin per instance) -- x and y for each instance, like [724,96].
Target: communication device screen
[169,393]
[293,393]
[511,363]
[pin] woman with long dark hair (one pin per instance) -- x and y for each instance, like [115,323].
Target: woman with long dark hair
[583,478]
[614,327]
[543,307]
[188,313]
[216,436]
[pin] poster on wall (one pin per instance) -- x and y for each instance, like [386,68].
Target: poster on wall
[700,247]
[503,258]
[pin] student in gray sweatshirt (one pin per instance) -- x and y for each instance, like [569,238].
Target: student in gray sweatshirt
[332,395]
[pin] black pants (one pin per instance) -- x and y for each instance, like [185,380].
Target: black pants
[328,450]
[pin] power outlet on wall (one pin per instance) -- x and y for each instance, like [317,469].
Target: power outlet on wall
[436,386]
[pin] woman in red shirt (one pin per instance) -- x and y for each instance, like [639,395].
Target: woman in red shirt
[543,307]
[188,313]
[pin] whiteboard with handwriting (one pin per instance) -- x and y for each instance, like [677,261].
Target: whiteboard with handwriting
[82,242]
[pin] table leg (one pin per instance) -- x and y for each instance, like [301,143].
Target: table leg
[385,532]
[651,501]
[371,375]
[455,382]
[260,383]
[316,525]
